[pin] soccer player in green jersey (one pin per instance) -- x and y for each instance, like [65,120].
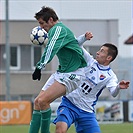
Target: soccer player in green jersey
[62,43]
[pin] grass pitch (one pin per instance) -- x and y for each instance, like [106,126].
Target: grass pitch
[105,128]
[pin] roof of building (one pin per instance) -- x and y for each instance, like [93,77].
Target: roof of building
[129,40]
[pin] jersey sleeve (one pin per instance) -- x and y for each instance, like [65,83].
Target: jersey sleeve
[53,46]
[81,39]
[113,86]
[114,90]
[88,58]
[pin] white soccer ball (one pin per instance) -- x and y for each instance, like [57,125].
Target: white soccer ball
[39,36]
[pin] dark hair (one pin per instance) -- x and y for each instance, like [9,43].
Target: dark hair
[112,50]
[45,13]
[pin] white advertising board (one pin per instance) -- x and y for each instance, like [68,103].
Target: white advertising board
[109,111]
[106,111]
[130,110]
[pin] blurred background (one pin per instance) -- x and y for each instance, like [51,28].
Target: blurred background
[109,21]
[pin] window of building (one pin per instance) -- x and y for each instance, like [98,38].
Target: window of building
[25,57]
[14,57]
[13,60]
[36,52]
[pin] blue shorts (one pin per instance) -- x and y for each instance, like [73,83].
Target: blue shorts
[85,122]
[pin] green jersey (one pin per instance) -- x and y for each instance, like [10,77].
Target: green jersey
[62,43]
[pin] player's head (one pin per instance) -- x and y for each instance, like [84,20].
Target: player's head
[112,50]
[46,17]
[107,53]
[45,13]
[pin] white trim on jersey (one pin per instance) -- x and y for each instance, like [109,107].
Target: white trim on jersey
[50,47]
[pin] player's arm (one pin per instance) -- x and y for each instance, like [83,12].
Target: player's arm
[82,38]
[53,46]
[86,55]
[51,49]
[114,90]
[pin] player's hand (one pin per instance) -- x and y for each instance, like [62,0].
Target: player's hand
[124,84]
[37,74]
[88,35]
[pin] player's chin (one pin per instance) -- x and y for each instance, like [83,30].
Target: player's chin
[96,58]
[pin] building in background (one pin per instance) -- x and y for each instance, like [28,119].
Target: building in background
[129,40]
[109,21]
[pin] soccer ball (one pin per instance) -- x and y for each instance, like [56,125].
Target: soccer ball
[39,36]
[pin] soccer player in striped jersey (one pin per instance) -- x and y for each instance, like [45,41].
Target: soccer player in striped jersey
[78,106]
[62,43]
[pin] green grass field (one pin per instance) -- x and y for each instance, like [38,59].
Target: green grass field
[105,128]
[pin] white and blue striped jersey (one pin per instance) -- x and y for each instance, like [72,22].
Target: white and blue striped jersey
[98,77]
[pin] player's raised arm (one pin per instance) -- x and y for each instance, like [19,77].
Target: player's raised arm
[82,38]
[121,85]
[88,35]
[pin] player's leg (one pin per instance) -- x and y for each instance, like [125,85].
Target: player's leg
[61,127]
[47,96]
[66,83]
[40,117]
[63,120]
[66,115]
[63,83]
[36,115]
[35,122]
[87,123]
[90,130]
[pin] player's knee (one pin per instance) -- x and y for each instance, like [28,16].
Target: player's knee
[41,102]
[38,102]
[35,101]
[61,128]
